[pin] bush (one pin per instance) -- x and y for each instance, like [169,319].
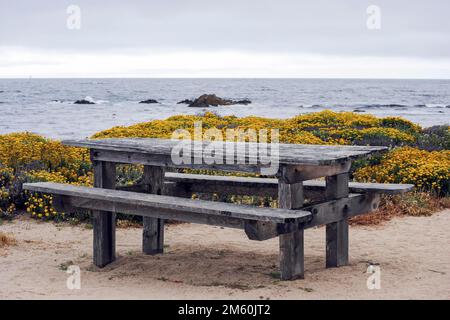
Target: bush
[27,157]
[434,138]
[427,170]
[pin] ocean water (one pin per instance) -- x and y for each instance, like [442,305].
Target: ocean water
[45,106]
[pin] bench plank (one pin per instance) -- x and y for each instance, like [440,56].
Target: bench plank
[163,204]
[269,186]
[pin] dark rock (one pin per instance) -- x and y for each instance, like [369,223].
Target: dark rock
[448,106]
[207,100]
[185,101]
[83,101]
[244,102]
[148,101]
[358,111]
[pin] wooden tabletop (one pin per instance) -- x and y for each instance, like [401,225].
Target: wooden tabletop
[288,154]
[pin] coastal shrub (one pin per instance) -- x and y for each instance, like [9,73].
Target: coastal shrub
[409,204]
[434,138]
[21,149]
[372,136]
[429,171]
[400,124]
[27,157]
[326,127]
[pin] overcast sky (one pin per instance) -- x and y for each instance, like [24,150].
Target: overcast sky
[227,38]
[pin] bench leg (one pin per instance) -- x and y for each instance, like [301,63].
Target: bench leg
[104,223]
[153,235]
[290,196]
[292,256]
[104,238]
[337,244]
[153,228]
[337,232]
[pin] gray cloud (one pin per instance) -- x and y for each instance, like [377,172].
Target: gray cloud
[409,28]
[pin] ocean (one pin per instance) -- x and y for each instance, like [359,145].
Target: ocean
[45,106]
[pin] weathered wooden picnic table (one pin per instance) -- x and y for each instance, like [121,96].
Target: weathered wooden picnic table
[160,195]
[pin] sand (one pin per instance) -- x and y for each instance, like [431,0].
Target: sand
[203,262]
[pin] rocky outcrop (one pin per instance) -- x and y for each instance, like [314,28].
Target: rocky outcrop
[83,101]
[208,100]
[148,101]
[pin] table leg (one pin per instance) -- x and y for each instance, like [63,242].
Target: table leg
[104,223]
[290,196]
[337,232]
[153,230]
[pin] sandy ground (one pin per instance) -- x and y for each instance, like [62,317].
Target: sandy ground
[205,262]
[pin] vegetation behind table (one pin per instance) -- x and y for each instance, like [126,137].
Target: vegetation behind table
[418,156]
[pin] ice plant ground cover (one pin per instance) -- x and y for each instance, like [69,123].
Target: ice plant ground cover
[418,156]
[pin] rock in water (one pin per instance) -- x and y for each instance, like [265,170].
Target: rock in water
[207,100]
[185,101]
[244,102]
[148,101]
[83,101]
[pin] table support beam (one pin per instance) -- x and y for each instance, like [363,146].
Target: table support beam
[337,232]
[104,222]
[153,228]
[291,244]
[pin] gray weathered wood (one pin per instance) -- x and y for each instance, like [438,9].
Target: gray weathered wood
[261,230]
[321,213]
[317,214]
[269,186]
[289,154]
[300,173]
[153,228]
[337,232]
[163,206]
[290,196]
[104,222]
[337,210]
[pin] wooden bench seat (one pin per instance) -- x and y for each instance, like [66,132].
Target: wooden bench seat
[269,186]
[161,206]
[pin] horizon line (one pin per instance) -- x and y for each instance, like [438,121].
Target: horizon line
[217,78]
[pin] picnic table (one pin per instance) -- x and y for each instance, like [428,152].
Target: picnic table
[161,194]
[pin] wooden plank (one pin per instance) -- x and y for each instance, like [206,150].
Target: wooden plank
[290,196]
[337,210]
[261,230]
[295,174]
[104,222]
[153,228]
[145,211]
[111,200]
[337,232]
[269,186]
[318,214]
[165,160]
[289,154]
[291,244]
